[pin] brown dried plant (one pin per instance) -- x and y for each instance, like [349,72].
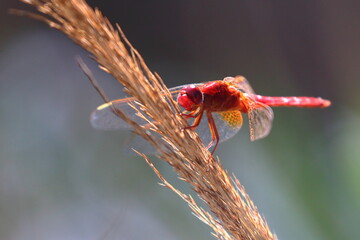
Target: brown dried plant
[233,214]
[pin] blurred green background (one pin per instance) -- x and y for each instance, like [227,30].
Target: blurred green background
[61,179]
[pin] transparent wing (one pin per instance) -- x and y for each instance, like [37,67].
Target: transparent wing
[227,125]
[240,83]
[260,120]
[103,117]
[260,115]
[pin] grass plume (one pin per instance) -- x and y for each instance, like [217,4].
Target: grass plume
[233,214]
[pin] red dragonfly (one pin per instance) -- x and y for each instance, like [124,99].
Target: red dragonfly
[222,102]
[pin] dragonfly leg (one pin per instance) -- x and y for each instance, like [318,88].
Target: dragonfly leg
[213,131]
[196,121]
[192,114]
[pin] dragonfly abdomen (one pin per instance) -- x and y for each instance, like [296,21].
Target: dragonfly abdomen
[292,101]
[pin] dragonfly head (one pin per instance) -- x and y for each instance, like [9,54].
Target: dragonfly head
[190,97]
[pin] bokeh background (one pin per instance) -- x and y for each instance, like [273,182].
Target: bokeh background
[61,179]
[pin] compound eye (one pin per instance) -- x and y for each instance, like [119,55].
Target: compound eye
[194,93]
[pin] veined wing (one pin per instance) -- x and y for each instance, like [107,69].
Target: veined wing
[240,83]
[260,119]
[227,124]
[104,118]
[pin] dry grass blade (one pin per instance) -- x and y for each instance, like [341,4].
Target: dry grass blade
[234,216]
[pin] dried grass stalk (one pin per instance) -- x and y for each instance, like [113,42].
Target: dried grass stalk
[234,215]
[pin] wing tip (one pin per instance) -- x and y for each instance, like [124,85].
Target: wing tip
[254,138]
[103,106]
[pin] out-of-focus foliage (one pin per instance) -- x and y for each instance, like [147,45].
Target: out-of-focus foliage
[61,179]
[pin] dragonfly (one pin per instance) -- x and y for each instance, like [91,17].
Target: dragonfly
[221,102]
